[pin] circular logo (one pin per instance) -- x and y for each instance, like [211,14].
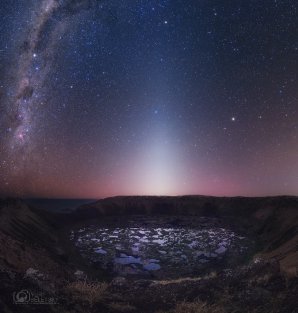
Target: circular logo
[22,296]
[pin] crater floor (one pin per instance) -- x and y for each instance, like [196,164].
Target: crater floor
[161,247]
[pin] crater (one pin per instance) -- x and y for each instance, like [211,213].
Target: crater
[160,247]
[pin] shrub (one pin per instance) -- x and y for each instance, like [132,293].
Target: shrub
[195,307]
[91,292]
[122,307]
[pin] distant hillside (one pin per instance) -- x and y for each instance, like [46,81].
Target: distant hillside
[57,205]
[187,205]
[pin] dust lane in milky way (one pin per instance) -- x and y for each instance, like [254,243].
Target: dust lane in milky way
[100,98]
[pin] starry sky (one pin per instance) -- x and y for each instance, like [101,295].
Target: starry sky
[148,97]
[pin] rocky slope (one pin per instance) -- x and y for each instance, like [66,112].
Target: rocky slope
[27,237]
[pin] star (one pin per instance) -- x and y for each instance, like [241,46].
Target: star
[95,81]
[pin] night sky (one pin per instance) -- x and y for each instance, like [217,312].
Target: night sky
[135,97]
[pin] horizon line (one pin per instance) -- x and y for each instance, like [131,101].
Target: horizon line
[144,195]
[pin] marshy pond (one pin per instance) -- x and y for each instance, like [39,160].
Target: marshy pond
[161,247]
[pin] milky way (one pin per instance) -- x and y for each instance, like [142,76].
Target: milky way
[36,56]
[100,98]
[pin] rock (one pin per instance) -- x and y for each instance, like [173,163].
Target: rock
[220,250]
[80,274]
[39,279]
[33,274]
[119,281]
